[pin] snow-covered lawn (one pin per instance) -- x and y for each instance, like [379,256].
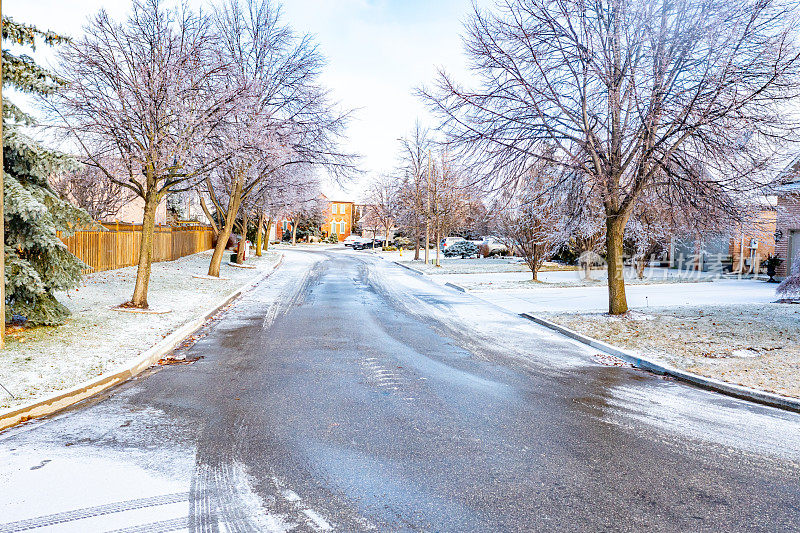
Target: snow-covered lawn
[39,361]
[553,278]
[755,345]
[542,298]
[488,265]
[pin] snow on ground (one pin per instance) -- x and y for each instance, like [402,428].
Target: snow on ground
[561,279]
[544,299]
[755,345]
[39,361]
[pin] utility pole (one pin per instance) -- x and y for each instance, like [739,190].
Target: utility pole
[2,216]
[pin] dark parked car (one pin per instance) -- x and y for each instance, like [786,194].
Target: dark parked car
[368,244]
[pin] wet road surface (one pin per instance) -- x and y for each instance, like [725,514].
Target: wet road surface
[345,393]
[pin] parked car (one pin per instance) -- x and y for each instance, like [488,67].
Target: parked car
[450,241]
[351,239]
[363,243]
[461,248]
[492,246]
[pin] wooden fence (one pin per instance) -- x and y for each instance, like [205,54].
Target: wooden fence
[118,245]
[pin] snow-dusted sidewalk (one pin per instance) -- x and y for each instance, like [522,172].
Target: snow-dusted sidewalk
[95,339]
[755,345]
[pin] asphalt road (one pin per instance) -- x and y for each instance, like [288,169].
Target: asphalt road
[345,393]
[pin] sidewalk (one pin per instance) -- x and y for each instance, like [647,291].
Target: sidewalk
[41,361]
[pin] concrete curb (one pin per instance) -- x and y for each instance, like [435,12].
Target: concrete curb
[737,391]
[454,286]
[414,270]
[63,399]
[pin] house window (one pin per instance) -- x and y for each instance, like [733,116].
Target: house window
[341,228]
[341,209]
[333,209]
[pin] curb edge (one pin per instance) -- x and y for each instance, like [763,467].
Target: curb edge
[61,400]
[730,389]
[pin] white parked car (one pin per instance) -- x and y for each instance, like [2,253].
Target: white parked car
[449,241]
[351,239]
[493,245]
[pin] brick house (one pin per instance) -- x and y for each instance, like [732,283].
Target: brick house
[787,233]
[751,245]
[339,219]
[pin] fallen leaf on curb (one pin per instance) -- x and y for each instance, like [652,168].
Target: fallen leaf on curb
[180,360]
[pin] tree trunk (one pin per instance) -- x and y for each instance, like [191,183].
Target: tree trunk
[640,266]
[259,234]
[214,228]
[294,233]
[438,238]
[243,241]
[268,231]
[615,230]
[139,298]
[427,241]
[416,248]
[225,233]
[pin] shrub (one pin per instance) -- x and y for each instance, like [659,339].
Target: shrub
[402,242]
[789,289]
[390,248]
[462,248]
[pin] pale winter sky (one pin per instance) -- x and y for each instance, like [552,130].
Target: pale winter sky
[378,51]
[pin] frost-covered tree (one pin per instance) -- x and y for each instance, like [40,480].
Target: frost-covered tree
[695,97]
[789,289]
[90,189]
[285,122]
[146,93]
[532,218]
[413,169]
[37,263]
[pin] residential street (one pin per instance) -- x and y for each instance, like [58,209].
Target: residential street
[346,393]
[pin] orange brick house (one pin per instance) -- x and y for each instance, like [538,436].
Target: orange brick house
[339,221]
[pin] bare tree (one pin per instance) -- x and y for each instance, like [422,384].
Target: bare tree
[287,122]
[531,219]
[383,201]
[145,93]
[90,188]
[412,191]
[684,98]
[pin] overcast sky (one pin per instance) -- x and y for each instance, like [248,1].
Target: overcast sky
[378,51]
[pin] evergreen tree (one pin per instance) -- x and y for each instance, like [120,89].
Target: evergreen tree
[37,262]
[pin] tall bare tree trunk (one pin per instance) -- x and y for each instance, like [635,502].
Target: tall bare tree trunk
[269,232]
[225,233]
[139,298]
[615,230]
[438,239]
[416,247]
[259,233]
[294,233]
[243,241]
[427,240]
